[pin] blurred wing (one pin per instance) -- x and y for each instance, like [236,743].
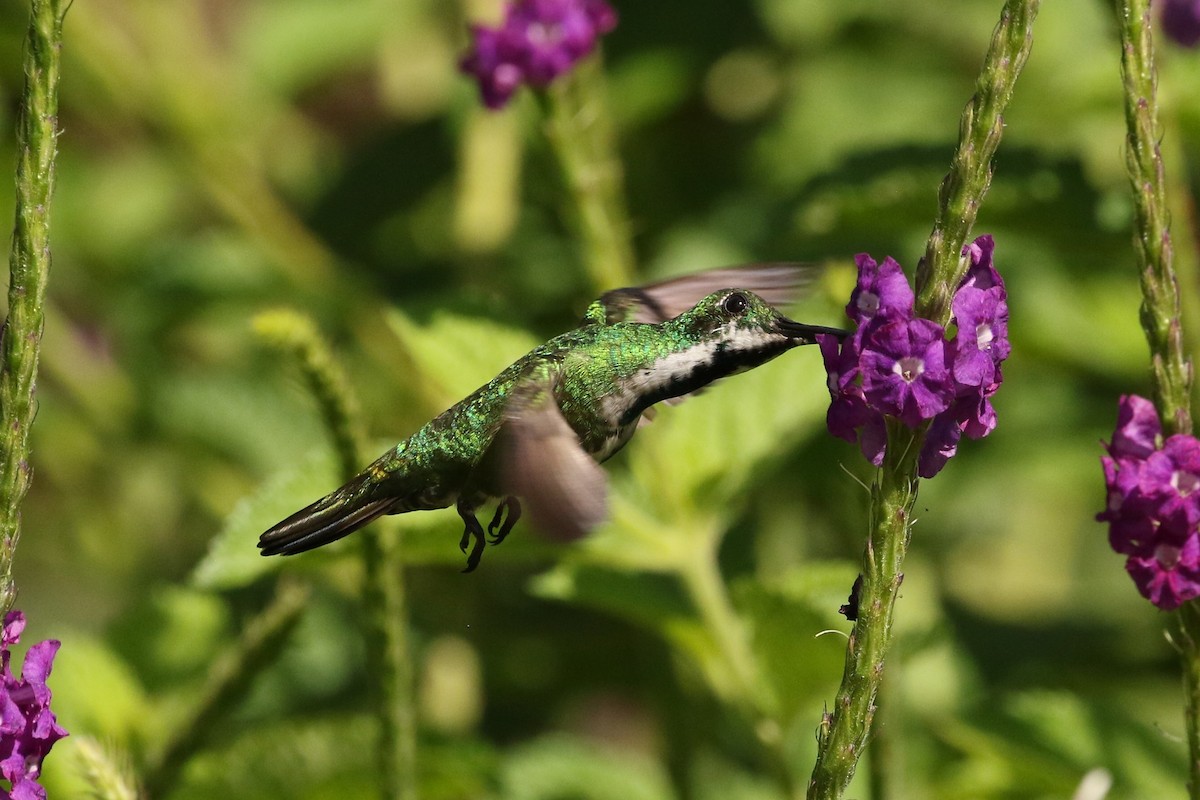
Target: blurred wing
[562,489]
[777,283]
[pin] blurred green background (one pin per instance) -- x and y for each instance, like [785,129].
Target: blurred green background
[223,157]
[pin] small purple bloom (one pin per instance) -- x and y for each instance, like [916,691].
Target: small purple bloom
[538,41]
[882,291]
[1170,574]
[1138,428]
[495,61]
[848,416]
[982,341]
[981,274]
[28,728]
[1181,21]
[1172,476]
[941,444]
[904,370]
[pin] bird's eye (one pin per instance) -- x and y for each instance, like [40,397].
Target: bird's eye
[735,303]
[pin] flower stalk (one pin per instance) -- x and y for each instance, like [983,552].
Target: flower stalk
[845,729]
[383,590]
[970,175]
[229,681]
[1170,368]
[29,268]
[579,126]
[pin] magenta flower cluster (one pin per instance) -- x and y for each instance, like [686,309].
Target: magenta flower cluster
[898,365]
[28,728]
[1181,21]
[1153,508]
[537,41]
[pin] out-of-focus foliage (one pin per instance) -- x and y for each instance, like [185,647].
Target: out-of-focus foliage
[219,157]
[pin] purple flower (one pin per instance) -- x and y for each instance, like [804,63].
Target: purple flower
[981,274]
[538,41]
[882,291]
[904,370]
[28,728]
[1153,504]
[1181,21]
[982,341]
[1138,428]
[941,445]
[1170,574]
[901,366]
[1172,476]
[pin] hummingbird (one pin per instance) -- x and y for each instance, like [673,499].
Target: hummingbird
[539,430]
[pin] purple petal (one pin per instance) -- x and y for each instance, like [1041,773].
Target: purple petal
[1181,21]
[941,444]
[1138,428]
[14,626]
[882,291]
[904,371]
[981,274]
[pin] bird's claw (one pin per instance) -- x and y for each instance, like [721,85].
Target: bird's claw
[514,513]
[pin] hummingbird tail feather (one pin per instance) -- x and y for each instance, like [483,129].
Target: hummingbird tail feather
[336,515]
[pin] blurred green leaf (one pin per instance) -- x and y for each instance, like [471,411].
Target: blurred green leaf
[96,692]
[561,766]
[233,559]
[796,632]
[171,634]
[454,355]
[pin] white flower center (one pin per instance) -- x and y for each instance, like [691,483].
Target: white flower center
[1184,482]
[1167,555]
[984,335]
[909,369]
[868,303]
[543,33]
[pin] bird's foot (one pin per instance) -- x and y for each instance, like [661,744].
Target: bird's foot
[474,531]
[514,513]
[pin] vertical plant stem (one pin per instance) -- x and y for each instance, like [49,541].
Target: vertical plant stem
[1171,371]
[970,175]
[229,680]
[845,729]
[1188,645]
[580,129]
[383,590]
[29,268]
[1161,315]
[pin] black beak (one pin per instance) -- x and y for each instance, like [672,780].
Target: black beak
[808,333]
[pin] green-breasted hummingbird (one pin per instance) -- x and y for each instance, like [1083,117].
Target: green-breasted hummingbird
[535,433]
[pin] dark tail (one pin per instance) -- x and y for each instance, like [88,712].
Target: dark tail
[336,515]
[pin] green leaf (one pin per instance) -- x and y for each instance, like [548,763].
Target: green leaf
[233,559]
[797,635]
[171,633]
[96,692]
[456,354]
[561,766]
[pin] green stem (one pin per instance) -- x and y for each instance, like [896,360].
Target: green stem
[580,129]
[229,681]
[1171,370]
[1161,316]
[963,189]
[383,589]
[1188,645]
[29,268]
[845,730]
